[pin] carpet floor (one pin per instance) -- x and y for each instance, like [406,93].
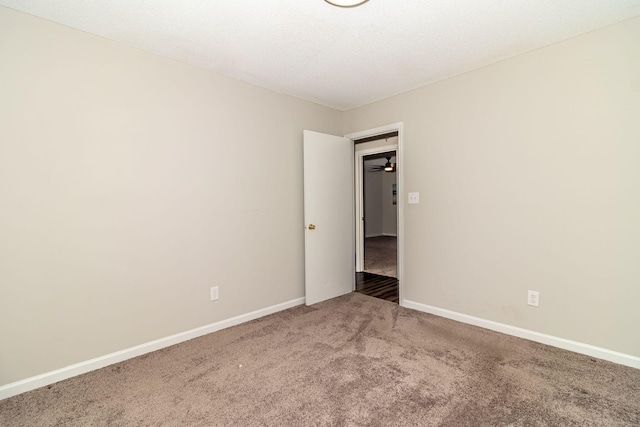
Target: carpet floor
[380,255]
[351,361]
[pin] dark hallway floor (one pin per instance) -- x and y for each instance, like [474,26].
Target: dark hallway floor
[377,286]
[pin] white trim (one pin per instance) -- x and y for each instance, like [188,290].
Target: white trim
[399,127]
[51,377]
[381,130]
[577,347]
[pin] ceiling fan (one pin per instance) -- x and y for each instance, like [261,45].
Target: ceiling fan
[387,167]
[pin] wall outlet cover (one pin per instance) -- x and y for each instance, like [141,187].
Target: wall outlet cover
[533,298]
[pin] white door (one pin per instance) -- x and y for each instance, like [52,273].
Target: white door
[328,213]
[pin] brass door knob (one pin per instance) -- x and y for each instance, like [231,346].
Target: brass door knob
[312,227]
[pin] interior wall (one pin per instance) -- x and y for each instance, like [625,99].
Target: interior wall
[389,210]
[528,178]
[381,215]
[130,184]
[373,214]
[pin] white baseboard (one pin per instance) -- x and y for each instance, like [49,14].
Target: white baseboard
[577,347]
[47,378]
[389,235]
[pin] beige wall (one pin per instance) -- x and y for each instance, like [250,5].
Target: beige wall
[131,184]
[529,178]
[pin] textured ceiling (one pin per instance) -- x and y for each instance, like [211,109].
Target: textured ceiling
[342,58]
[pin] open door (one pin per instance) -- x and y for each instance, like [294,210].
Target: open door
[328,214]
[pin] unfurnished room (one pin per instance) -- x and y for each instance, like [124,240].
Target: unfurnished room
[319,212]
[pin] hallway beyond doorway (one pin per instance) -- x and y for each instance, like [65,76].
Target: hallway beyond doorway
[380,255]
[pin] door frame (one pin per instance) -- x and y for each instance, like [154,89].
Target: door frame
[381,130]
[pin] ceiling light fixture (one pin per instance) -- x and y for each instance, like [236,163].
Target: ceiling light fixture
[389,167]
[346,3]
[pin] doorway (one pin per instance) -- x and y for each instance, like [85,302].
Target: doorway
[329,206]
[379,277]
[379,213]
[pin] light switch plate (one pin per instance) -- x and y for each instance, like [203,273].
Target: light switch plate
[414,198]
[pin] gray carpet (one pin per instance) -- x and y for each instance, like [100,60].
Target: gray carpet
[353,360]
[380,255]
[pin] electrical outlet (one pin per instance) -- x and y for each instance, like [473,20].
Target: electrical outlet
[533,298]
[214,293]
